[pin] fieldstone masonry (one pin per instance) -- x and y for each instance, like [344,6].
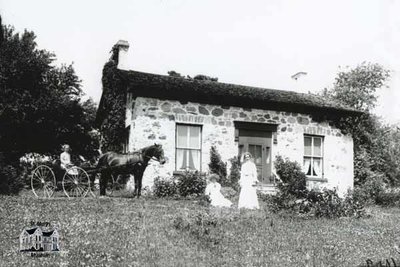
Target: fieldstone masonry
[153,120]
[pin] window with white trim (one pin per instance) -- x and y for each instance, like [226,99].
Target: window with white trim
[313,164]
[188,147]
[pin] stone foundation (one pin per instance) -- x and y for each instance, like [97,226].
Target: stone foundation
[154,121]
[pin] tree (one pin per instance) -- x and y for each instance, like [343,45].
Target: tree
[40,104]
[1,32]
[357,87]
[375,145]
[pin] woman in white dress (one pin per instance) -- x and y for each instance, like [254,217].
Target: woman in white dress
[213,190]
[248,180]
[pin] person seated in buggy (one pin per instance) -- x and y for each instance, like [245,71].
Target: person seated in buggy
[65,160]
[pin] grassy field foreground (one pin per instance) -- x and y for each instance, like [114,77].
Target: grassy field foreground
[132,232]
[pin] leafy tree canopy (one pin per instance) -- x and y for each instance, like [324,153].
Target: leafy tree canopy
[357,87]
[376,146]
[40,104]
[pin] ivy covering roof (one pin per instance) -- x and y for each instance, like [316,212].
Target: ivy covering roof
[225,94]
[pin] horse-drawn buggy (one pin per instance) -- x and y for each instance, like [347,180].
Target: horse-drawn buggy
[102,178]
[75,181]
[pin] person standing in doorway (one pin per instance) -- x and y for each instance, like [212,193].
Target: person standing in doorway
[248,181]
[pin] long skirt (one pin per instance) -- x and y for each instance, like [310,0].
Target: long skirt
[248,198]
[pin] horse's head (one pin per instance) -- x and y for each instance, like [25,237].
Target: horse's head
[159,153]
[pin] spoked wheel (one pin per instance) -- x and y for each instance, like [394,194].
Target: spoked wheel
[118,183]
[76,182]
[95,187]
[43,181]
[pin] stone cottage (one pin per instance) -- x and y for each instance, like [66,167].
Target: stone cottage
[189,116]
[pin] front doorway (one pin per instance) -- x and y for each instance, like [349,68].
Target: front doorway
[259,143]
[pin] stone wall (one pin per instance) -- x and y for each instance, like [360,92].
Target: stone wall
[152,120]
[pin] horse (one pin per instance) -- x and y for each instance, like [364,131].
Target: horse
[134,163]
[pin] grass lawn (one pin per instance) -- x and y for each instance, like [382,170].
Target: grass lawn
[131,232]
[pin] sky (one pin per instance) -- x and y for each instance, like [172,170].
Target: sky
[257,43]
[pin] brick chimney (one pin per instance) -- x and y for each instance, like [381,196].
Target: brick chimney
[120,54]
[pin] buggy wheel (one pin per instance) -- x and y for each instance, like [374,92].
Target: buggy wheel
[95,187]
[43,181]
[118,184]
[76,182]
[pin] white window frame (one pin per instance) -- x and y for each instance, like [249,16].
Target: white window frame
[186,147]
[312,156]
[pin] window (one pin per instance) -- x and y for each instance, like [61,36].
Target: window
[313,156]
[188,147]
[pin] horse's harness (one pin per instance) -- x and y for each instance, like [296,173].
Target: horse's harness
[141,160]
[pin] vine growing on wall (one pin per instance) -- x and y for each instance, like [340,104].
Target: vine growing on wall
[114,93]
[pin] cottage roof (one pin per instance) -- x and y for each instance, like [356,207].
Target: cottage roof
[225,94]
[176,88]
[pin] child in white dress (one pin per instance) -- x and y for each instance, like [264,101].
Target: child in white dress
[65,159]
[213,191]
[248,180]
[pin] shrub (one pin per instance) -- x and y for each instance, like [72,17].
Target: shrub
[361,195]
[281,201]
[352,207]
[229,192]
[292,185]
[293,180]
[164,187]
[147,192]
[191,183]
[11,182]
[234,174]
[204,200]
[371,189]
[29,161]
[262,196]
[328,204]
[389,198]
[217,166]
[294,197]
[325,204]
